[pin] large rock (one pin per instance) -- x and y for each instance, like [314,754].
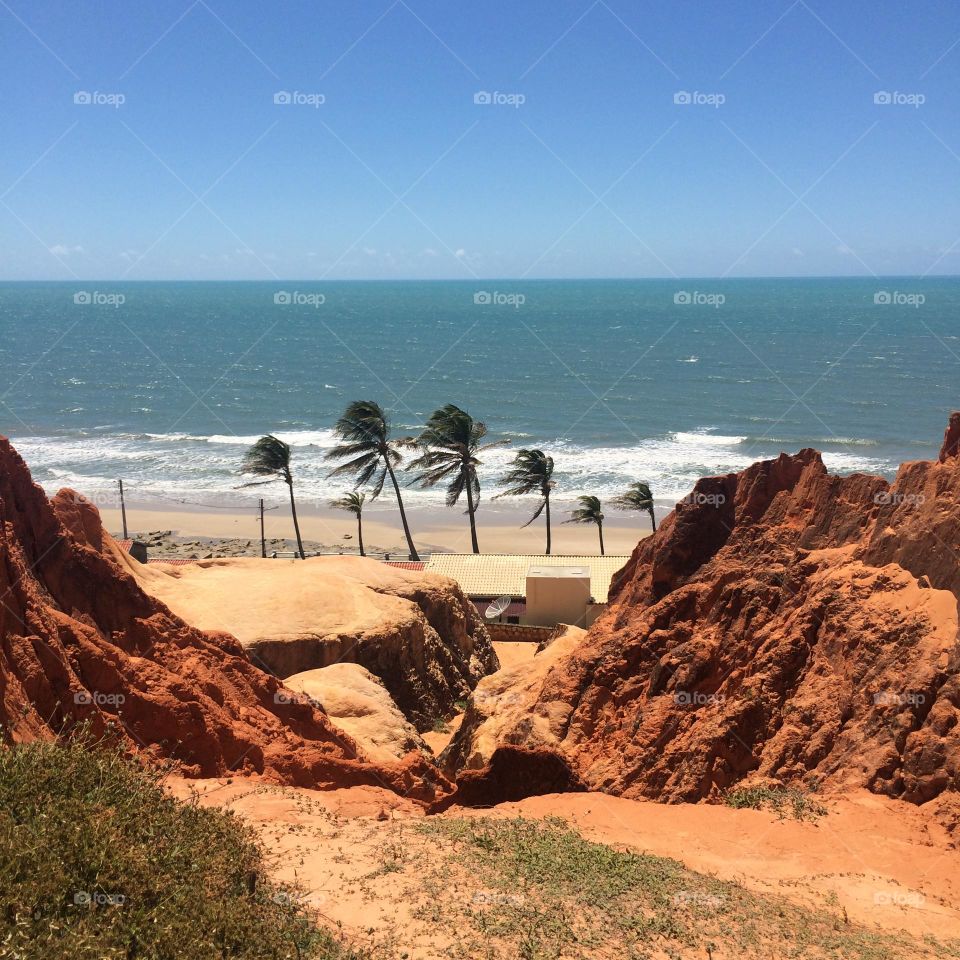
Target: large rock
[782,623]
[417,632]
[360,705]
[80,641]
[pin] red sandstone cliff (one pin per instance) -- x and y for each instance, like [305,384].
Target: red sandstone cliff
[782,623]
[80,641]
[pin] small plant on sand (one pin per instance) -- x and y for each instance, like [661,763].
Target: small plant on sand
[97,861]
[784,801]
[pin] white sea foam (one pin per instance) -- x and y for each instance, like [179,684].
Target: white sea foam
[207,469]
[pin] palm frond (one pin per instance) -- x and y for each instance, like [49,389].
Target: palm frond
[268,456]
[589,511]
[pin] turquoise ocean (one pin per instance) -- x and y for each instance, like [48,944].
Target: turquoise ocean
[165,384]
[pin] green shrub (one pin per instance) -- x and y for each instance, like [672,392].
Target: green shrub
[96,861]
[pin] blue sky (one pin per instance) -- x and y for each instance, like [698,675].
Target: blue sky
[786,165]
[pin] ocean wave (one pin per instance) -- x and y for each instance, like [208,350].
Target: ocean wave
[187,466]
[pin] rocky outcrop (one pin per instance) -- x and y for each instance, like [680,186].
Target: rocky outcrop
[416,632]
[359,704]
[508,708]
[82,643]
[781,624]
[951,438]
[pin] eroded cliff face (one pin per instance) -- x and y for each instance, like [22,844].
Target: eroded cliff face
[416,632]
[782,623]
[81,641]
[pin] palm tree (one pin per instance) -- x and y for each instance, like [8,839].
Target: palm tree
[353,503]
[365,430]
[531,472]
[589,511]
[270,457]
[451,442]
[637,497]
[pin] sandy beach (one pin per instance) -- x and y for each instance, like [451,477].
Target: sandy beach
[172,530]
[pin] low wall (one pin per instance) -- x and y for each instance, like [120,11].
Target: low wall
[518,632]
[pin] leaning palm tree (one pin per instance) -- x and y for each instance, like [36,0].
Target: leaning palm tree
[451,442]
[353,503]
[365,432]
[589,511]
[637,497]
[531,472]
[270,457]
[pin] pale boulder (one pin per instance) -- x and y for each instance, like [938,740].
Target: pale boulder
[360,705]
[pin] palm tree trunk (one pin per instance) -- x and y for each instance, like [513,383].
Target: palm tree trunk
[473,520]
[547,498]
[600,528]
[360,534]
[403,516]
[653,520]
[296,524]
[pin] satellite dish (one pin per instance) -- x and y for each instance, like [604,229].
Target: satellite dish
[497,607]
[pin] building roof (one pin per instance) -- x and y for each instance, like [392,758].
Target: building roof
[407,564]
[505,574]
